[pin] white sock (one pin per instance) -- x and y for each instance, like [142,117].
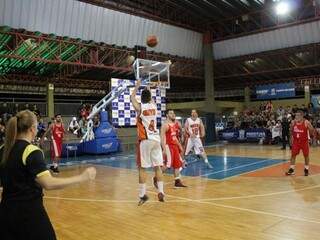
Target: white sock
[142,189]
[292,166]
[206,160]
[160,186]
[306,167]
[176,178]
[55,165]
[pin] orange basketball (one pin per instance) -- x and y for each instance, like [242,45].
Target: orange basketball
[152,41]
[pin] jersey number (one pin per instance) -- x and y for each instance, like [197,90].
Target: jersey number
[195,131]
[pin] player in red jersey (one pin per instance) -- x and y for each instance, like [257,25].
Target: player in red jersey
[57,132]
[171,146]
[300,130]
[180,139]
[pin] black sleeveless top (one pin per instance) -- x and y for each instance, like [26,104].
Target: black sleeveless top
[18,174]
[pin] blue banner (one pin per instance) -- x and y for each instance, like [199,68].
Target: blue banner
[281,90]
[251,134]
[229,135]
[255,134]
[315,99]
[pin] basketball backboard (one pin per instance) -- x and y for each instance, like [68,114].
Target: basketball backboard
[150,72]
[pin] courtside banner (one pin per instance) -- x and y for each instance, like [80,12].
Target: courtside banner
[281,90]
[315,99]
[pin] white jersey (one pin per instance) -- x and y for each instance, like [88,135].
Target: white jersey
[147,122]
[194,126]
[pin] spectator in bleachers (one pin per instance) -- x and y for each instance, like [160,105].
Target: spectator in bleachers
[80,109]
[269,106]
[84,111]
[285,129]
[294,108]
[83,125]
[311,110]
[281,112]
[288,110]
[276,132]
[15,109]
[41,128]
[262,107]
[304,109]
[26,107]
[5,112]
[35,110]
[74,127]
[90,108]
[96,121]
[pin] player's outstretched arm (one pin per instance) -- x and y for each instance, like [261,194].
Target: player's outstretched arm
[48,182]
[133,98]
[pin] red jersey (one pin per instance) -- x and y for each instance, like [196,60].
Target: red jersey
[57,132]
[171,134]
[178,131]
[300,132]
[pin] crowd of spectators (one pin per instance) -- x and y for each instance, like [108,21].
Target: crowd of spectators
[8,110]
[275,120]
[77,125]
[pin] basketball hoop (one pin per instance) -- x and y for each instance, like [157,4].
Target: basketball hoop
[152,73]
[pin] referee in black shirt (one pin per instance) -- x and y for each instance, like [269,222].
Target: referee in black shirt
[23,174]
[285,126]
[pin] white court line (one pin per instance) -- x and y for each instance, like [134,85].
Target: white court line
[223,198]
[229,169]
[97,160]
[205,201]
[262,212]
[108,200]
[248,210]
[254,170]
[261,195]
[184,200]
[214,145]
[183,176]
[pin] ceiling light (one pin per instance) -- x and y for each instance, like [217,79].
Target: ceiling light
[282,8]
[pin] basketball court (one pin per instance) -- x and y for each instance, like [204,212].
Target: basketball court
[244,69]
[245,196]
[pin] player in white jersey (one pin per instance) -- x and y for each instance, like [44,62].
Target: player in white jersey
[149,152]
[194,130]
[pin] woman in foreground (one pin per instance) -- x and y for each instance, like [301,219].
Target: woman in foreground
[23,174]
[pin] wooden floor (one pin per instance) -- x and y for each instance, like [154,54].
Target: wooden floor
[241,207]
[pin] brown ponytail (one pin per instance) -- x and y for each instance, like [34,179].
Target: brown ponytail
[16,125]
[10,138]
